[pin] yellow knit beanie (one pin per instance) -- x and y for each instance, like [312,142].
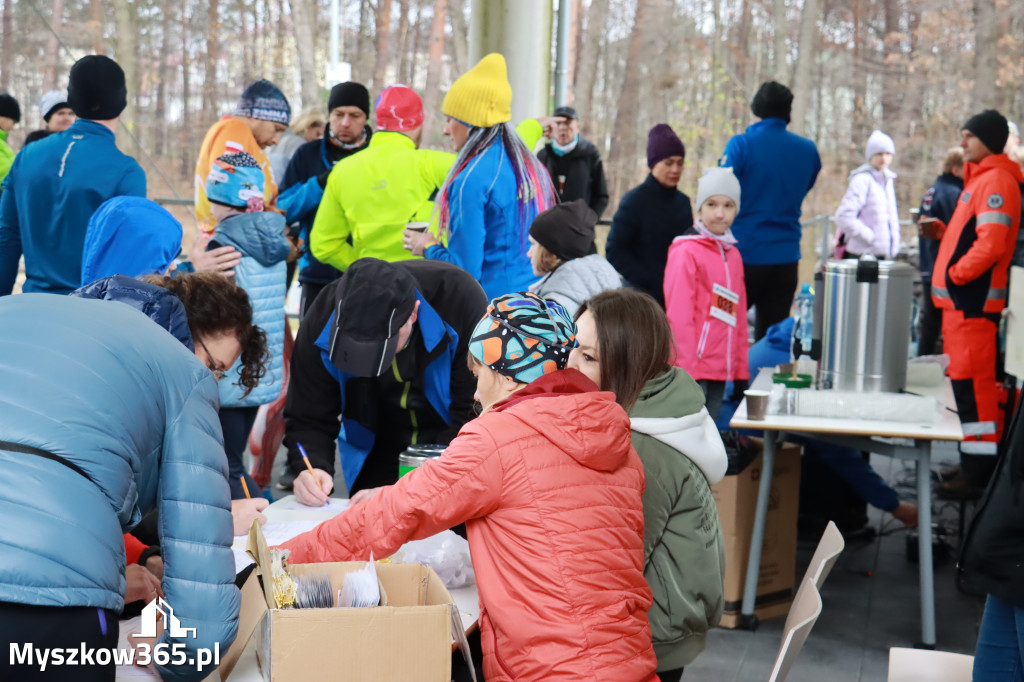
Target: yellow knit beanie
[481,97]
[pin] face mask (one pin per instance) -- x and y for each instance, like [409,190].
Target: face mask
[562,150]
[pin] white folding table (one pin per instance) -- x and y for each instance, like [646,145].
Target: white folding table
[911,442]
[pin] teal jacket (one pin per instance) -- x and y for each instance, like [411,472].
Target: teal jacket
[684,551]
[128,417]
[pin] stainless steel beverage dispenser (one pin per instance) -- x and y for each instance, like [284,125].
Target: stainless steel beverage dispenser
[865,324]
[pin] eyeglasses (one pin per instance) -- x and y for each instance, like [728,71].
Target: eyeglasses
[214,365]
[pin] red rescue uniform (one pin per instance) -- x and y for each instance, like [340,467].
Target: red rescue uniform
[970,283]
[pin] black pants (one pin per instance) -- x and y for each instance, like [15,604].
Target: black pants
[380,468]
[56,627]
[236,422]
[929,322]
[714,392]
[671,675]
[771,289]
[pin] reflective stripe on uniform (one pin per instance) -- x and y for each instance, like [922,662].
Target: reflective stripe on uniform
[998,294]
[994,217]
[979,448]
[978,428]
[939,292]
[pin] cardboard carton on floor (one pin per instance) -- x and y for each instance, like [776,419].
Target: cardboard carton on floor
[736,498]
[410,638]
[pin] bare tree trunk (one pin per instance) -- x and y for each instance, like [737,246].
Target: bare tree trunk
[406,43]
[53,46]
[460,31]
[160,124]
[623,149]
[383,37]
[805,55]
[6,47]
[780,70]
[433,89]
[304,30]
[717,108]
[986,31]
[124,44]
[597,20]
[211,105]
[186,143]
[892,92]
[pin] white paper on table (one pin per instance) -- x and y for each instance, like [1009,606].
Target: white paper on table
[334,505]
[277,532]
[125,628]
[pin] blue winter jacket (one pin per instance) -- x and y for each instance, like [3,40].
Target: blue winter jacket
[54,187]
[129,236]
[776,170]
[153,301]
[104,389]
[259,237]
[487,236]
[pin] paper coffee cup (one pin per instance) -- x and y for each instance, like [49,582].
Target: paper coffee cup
[417,226]
[757,404]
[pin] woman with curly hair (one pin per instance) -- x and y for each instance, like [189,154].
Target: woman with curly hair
[104,416]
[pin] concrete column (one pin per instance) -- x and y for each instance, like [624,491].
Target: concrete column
[521,31]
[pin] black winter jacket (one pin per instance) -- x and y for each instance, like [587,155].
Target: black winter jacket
[578,175]
[649,217]
[310,160]
[370,408]
[992,557]
[939,202]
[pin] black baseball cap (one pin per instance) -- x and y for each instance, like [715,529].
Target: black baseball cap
[566,112]
[375,298]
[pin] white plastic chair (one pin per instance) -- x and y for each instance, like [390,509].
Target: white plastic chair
[806,608]
[920,665]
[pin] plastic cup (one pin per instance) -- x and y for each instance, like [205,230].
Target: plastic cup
[757,404]
[417,226]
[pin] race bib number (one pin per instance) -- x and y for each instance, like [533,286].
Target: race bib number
[724,304]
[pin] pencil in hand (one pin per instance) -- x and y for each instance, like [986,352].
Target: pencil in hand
[309,467]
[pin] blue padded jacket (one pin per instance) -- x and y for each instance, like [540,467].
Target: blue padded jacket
[259,237]
[104,389]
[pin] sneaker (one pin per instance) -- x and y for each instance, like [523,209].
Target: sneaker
[287,481]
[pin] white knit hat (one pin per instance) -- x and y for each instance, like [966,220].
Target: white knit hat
[879,142]
[718,181]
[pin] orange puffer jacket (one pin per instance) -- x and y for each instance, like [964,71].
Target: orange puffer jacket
[550,490]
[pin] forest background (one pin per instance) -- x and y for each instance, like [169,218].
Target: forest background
[913,68]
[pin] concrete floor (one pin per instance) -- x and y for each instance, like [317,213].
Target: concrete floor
[862,615]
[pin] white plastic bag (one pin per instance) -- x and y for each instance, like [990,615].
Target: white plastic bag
[446,553]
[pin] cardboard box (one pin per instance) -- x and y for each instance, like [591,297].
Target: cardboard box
[736,498]
[409,637]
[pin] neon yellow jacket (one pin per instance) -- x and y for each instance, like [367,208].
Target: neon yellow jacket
[6,155]
[370,196]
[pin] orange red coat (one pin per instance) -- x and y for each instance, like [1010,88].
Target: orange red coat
[550,490]
[971,270]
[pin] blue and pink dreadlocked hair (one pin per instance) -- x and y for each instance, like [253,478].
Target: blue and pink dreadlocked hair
[534,189]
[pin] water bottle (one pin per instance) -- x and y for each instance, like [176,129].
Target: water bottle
[805,318]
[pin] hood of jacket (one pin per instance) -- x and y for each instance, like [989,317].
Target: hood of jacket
[566,401]
[258,235]
[155,302]
[130,236]
[992,162]
[671,410]
[868,168]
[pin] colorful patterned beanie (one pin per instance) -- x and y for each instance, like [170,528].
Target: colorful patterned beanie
[236,180]
[523,337]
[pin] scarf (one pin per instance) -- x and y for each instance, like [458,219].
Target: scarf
[727,240]
[344,145]
[562,150]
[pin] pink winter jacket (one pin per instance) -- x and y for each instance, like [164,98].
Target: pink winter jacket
[551,492]
[867,216]
[706,304]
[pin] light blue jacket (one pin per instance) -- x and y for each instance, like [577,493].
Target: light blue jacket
[487,235]
[54,187]
[102,387]
[259,237]
[129,236]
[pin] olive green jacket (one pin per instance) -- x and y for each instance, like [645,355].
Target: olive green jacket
[684,551]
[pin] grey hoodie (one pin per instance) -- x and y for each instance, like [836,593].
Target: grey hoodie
[575,281]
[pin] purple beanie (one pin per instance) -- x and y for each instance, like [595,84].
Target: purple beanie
[662,142]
